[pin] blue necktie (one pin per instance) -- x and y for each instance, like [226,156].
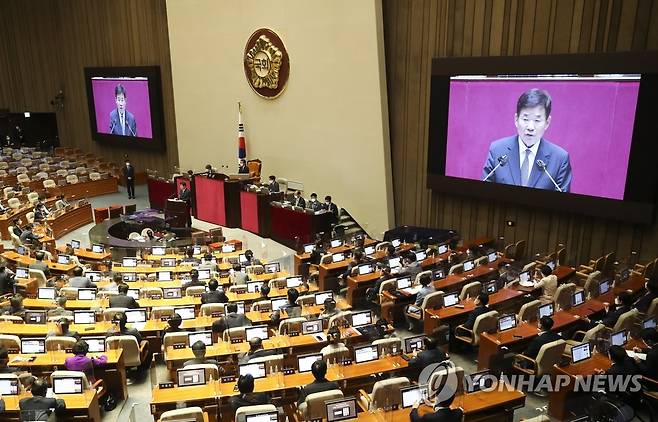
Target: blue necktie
[525,168]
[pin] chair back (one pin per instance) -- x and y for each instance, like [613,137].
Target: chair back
[15,240]
[71,179]
[561,256]
[150,291]
[439,377]
[386,345]
[483,260]
[211,370]
[326,259]
[71,374]
[30,217]
[187,414]
[195,290]
[313,406]
[69,292]
[262,306]
[470,290]
[131,354]
[272,361]
[340,318]
[508,252]
[381,246]
[594,333]
[207,309]
[54,343]
[563,294]
[591,286]
[627,321]
[386,286]
[519,249]
[242,412]
[170,339]
[306,300]
[456,269]
[11,318]
[14,203]
[549,355]
[386,393]
[10,342]
[276,283]
[529,311]
[234,333]
[291,325]
[108,313]
[485,322]
[254,269]
[336,354]
[158,312]
[103,294]
[254,167]
[433,300]
[42,280]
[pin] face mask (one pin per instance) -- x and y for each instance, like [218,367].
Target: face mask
[327,202]
[127,164]
[312,199]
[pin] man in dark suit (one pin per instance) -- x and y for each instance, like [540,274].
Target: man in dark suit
[6,281]
[62,330]
[330,206]
[643,303]
[431,354]
[247,397]
[442,412]
[319,371]
[545,336]
[299,201]
[273,185]
[39,264]
[199,351]
[39,407]
[209,171]
[527,157]
[232,319]
[622,364]
[121,320]
[80,281]
[122,122]
[122,300]
[313,203]
[128,172]
[256,351]
[242,167]
[186,195]
[214,296]
[481,307]
[649,366]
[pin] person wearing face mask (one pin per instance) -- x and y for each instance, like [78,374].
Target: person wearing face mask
[527,159]
[299,201]
[313,203]
[330,206]
[273,185]
[129,176]
[623,304]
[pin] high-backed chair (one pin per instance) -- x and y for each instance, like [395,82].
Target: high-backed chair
[271,362]
[519,249]
[385,394]
[591,283]
[108,313]
[254,167]
[313,406]
[470,290]
[71,179]
[627,321]
[133,354]
[291,325]
[483,323]
[242,412]
[387,345]
[340,318]
[14,203]
[234,333]
[42,280]
[10,342]
[15,240]
[456,269]
[529,311]
[562,297]
[440,375]
[30,217]
[431,301]
[336,354]
[207,309]
[261,306]
[306,300]
[33,197]
[386,286]
[188,414]
[8,192]
[590,336]
[195,290]
[381,246]
[170,339]
[69,292]
[54,343]
[653,309]
[548,356]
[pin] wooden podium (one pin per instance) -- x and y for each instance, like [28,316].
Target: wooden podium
[176,213]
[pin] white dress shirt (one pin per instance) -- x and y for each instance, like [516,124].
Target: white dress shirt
[531,158]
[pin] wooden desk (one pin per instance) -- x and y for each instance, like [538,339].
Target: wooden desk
[305,257]
[357,285]
[70,220]
[25,261]
[87,255]
[19,213]
[77,405]
[89,188]
[113,373]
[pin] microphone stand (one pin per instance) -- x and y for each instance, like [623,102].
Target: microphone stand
[501,162]
[542,166]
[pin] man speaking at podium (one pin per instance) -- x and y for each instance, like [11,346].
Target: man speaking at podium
[528,159]
[122,122]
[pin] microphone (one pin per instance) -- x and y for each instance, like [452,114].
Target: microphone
[131,129]
[542,166]
[502,160]
[113,124]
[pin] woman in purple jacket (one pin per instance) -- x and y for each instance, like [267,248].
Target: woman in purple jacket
[80,362]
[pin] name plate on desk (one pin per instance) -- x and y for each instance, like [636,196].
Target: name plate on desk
[236,340]
[288,371]
[227,379]
[240,291]
[165,318]
[179,345]
[156,297]
[347,362]
[164,385]
[17,321]
[293,334]
[216,314]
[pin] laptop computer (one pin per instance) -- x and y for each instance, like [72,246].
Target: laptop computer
[336,243]
[442,248]
[22,272]
[308,248]
[394,262]
[493,256]
[490,287]
[190,377]
[228,247]
[47,293]
[365,353]
[32,346]
[619,338]
[468,265]
[649,323]
[581,352]
[272,267]
[506,322]
[96,344]
[63,259]
[257,370]
[94,276]
[158,250]
[75,244]
[129,262]
[546,310]
[272,416]
[84,317]
[451,299]
[254,286]
[578,298]
[366,269]
[320,297]
[97,248]
[35,317]
[414,343]
[478,380]
[338,257]
[260,331]
[604,286]
[341,409]
[168,262]
[164,275]
[67,385]
[185,312]
[304,362]
[129,277]
[135,316]
[9,387]
[204,337]
[86,294]
[278,303]
[292,282]
[412,394]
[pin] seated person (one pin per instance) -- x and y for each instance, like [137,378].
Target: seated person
[623,304]
[62,330]
[329,309]
[189,256]
[316,253]
[4,362]
[319,371]
[547,282]
[431,354]
[256,351]
[80,281]
[264,292]
[174,323]
[358,258]
[214,295]
[442,412]
[80,361]
[643,303]
[410,266]
[27,236]
[38,264]
[40,211]
[60,310]
[291,308]
[649,366]
[298,200]
[333,338]
[6,280]
[249,254]
[199,350]
[372,294]
[237,277]
[194,280]
[120,320]
[15,306]
[330,206]
[62,198]
[426,288]
[481,307]
[16,224]
[242,167]
[313,203]
[207,264]
[273,185]
[247,397]
[39,407]
[545,336]
[232,319]
[122,300]
[622,364]
[113,285]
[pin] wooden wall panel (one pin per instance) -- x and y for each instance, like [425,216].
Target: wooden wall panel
[47,44]
[415,31]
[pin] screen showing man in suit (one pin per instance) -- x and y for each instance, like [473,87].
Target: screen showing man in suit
[562,133]
[542,164]
[122,106]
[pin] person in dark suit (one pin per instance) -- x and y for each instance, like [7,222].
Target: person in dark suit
[39,407]
[80,281]
[232,319]
[247,397]
[299,200]
[39,264]
[242,167]
[649,366]
[28,237]
[545,336]
[313,203]
[122,300]
[209,171]
[214,296]
[291,308]
[122,122]
[273,185]
[481,307]
[15,306]
[623,304]
[330,206]
[128,172]
[431,354]
[372,294]
[622,364]
[174,323]
[186,195]
[256,351]
[643,303]
[319,371]
[16,225]
[521,154]
[121,320]
[40,211]
[6,281]
[442,412]
[199,350]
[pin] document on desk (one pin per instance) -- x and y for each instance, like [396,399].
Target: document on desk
[320,337]
[641,356]
[411,290]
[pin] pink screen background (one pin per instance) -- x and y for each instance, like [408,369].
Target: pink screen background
[591,120]
[137,103]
